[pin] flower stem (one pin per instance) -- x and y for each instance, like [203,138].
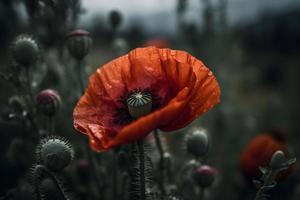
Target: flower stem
[201,193]
[115,175]
[93,166]
[29,89]
[79,71]
[140,144]
[30,102]
[161,162]
[50,125]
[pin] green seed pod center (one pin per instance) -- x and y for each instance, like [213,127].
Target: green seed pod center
[139,104]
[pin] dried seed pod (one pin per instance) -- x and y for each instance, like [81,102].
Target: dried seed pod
[197,142]
[79,43]
[25,50]
[48,102]
[204,176]
[139,104]
[55,153]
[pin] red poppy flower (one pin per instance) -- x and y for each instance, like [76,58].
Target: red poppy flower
[181,88]
[258,153]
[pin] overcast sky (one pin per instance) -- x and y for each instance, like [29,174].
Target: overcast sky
[158,15]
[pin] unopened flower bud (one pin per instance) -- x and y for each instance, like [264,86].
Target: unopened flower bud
[115,18]
[197,142]
[55,153]
[139,104]
[277,159]
[204,176]
[25,50]
[48,102]
[79,43]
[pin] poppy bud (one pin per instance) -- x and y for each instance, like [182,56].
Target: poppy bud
[25,50]
[197,142]
[55,153]
[79,43]
[277,160]
[263,150]
[204,176]
[48,102]
[115,19]
[139,104]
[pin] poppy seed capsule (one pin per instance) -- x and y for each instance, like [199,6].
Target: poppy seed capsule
[79,43]
[48,102]
[115,18]
[55,153]
[25,50]
[277,160]
[204,176]
[139,104]
[197,142]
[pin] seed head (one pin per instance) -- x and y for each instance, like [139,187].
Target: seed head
[139,104]
[55,153]
[79,43]
[25,50]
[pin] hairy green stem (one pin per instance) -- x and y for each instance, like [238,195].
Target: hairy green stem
[140,144]
[161,162]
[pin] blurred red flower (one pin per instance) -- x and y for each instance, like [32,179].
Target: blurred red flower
[259,152]
[182,88]
[158,42]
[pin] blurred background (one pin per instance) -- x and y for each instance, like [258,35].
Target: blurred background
[251,46]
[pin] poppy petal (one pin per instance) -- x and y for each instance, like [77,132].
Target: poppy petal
[186,87]
[206,92]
